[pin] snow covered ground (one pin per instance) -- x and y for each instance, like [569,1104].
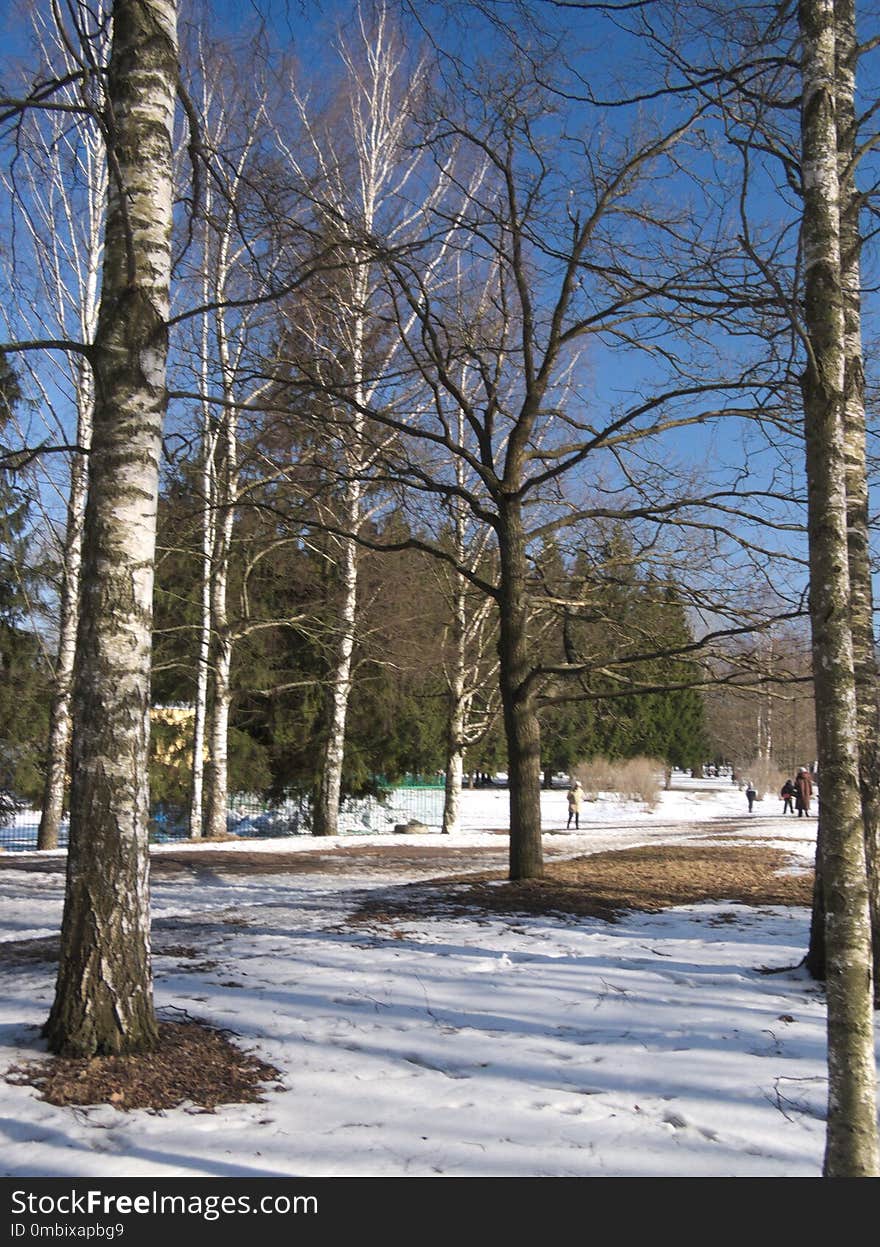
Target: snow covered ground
[522,1046]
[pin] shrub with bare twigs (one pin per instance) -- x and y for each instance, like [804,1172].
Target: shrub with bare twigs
[632,779]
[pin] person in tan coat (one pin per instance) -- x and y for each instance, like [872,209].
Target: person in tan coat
[575,798]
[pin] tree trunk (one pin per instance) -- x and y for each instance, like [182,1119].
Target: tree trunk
[815,958]
[521,726]
[453,783]
[456,679]
[196,816]
[68,619]
[59,714]
[861,589]
[328,791]
[454,744]
[217,770]
[209,539]
[104,995]
[225,482]
[851,1139]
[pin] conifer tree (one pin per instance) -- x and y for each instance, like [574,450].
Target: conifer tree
[24,673]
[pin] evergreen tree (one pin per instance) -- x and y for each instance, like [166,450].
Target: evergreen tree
[620,627]
[24,674]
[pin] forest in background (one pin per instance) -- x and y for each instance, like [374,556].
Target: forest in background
[286,636]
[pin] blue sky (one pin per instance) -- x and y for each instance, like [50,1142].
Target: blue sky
[304,30]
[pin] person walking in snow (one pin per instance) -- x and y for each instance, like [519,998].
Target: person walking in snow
[575,797]
[788,793]
[803,792]
[750,795]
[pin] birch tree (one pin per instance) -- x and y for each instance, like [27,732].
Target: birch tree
[221,480]
[851,1140]
[57,194]
[819,163]
[103,998]
[364,176]
[228,274]
[747,63]
[850,148]
[473,702]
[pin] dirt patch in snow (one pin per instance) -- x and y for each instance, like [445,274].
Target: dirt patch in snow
[193,1062]
[605,885]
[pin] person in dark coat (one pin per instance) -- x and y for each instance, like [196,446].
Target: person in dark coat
[750,795]
[803,792]
[788,794]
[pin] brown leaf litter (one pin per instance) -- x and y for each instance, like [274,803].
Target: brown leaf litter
[605,885]
[192,1063]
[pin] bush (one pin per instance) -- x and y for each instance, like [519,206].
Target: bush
[765,776]
[633,779]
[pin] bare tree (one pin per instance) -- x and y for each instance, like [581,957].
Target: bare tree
[221,473]
[851,146]
[471,680]
[103,999]
[226,275]
[756,86]
[851,1141]
[571,265]
[788,96]
[57,190]
[364,174]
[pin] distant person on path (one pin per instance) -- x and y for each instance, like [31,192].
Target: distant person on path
[750,795]
[803,791]
[575,797]
[788,792]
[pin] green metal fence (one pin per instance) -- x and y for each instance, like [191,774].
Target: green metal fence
[249,815]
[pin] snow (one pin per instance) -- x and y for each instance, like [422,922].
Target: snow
[508,1045]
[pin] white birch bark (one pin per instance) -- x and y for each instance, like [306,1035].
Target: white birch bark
[221,357]
[226,486]
[58,195]
[104,1000]
[218,744]
[466,669]
[59,717]
[325,815]
[858,510]
[471,679]
[68,619]
[454,777]
[851,1140]
[377,105]
[456,687]
[203,656]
